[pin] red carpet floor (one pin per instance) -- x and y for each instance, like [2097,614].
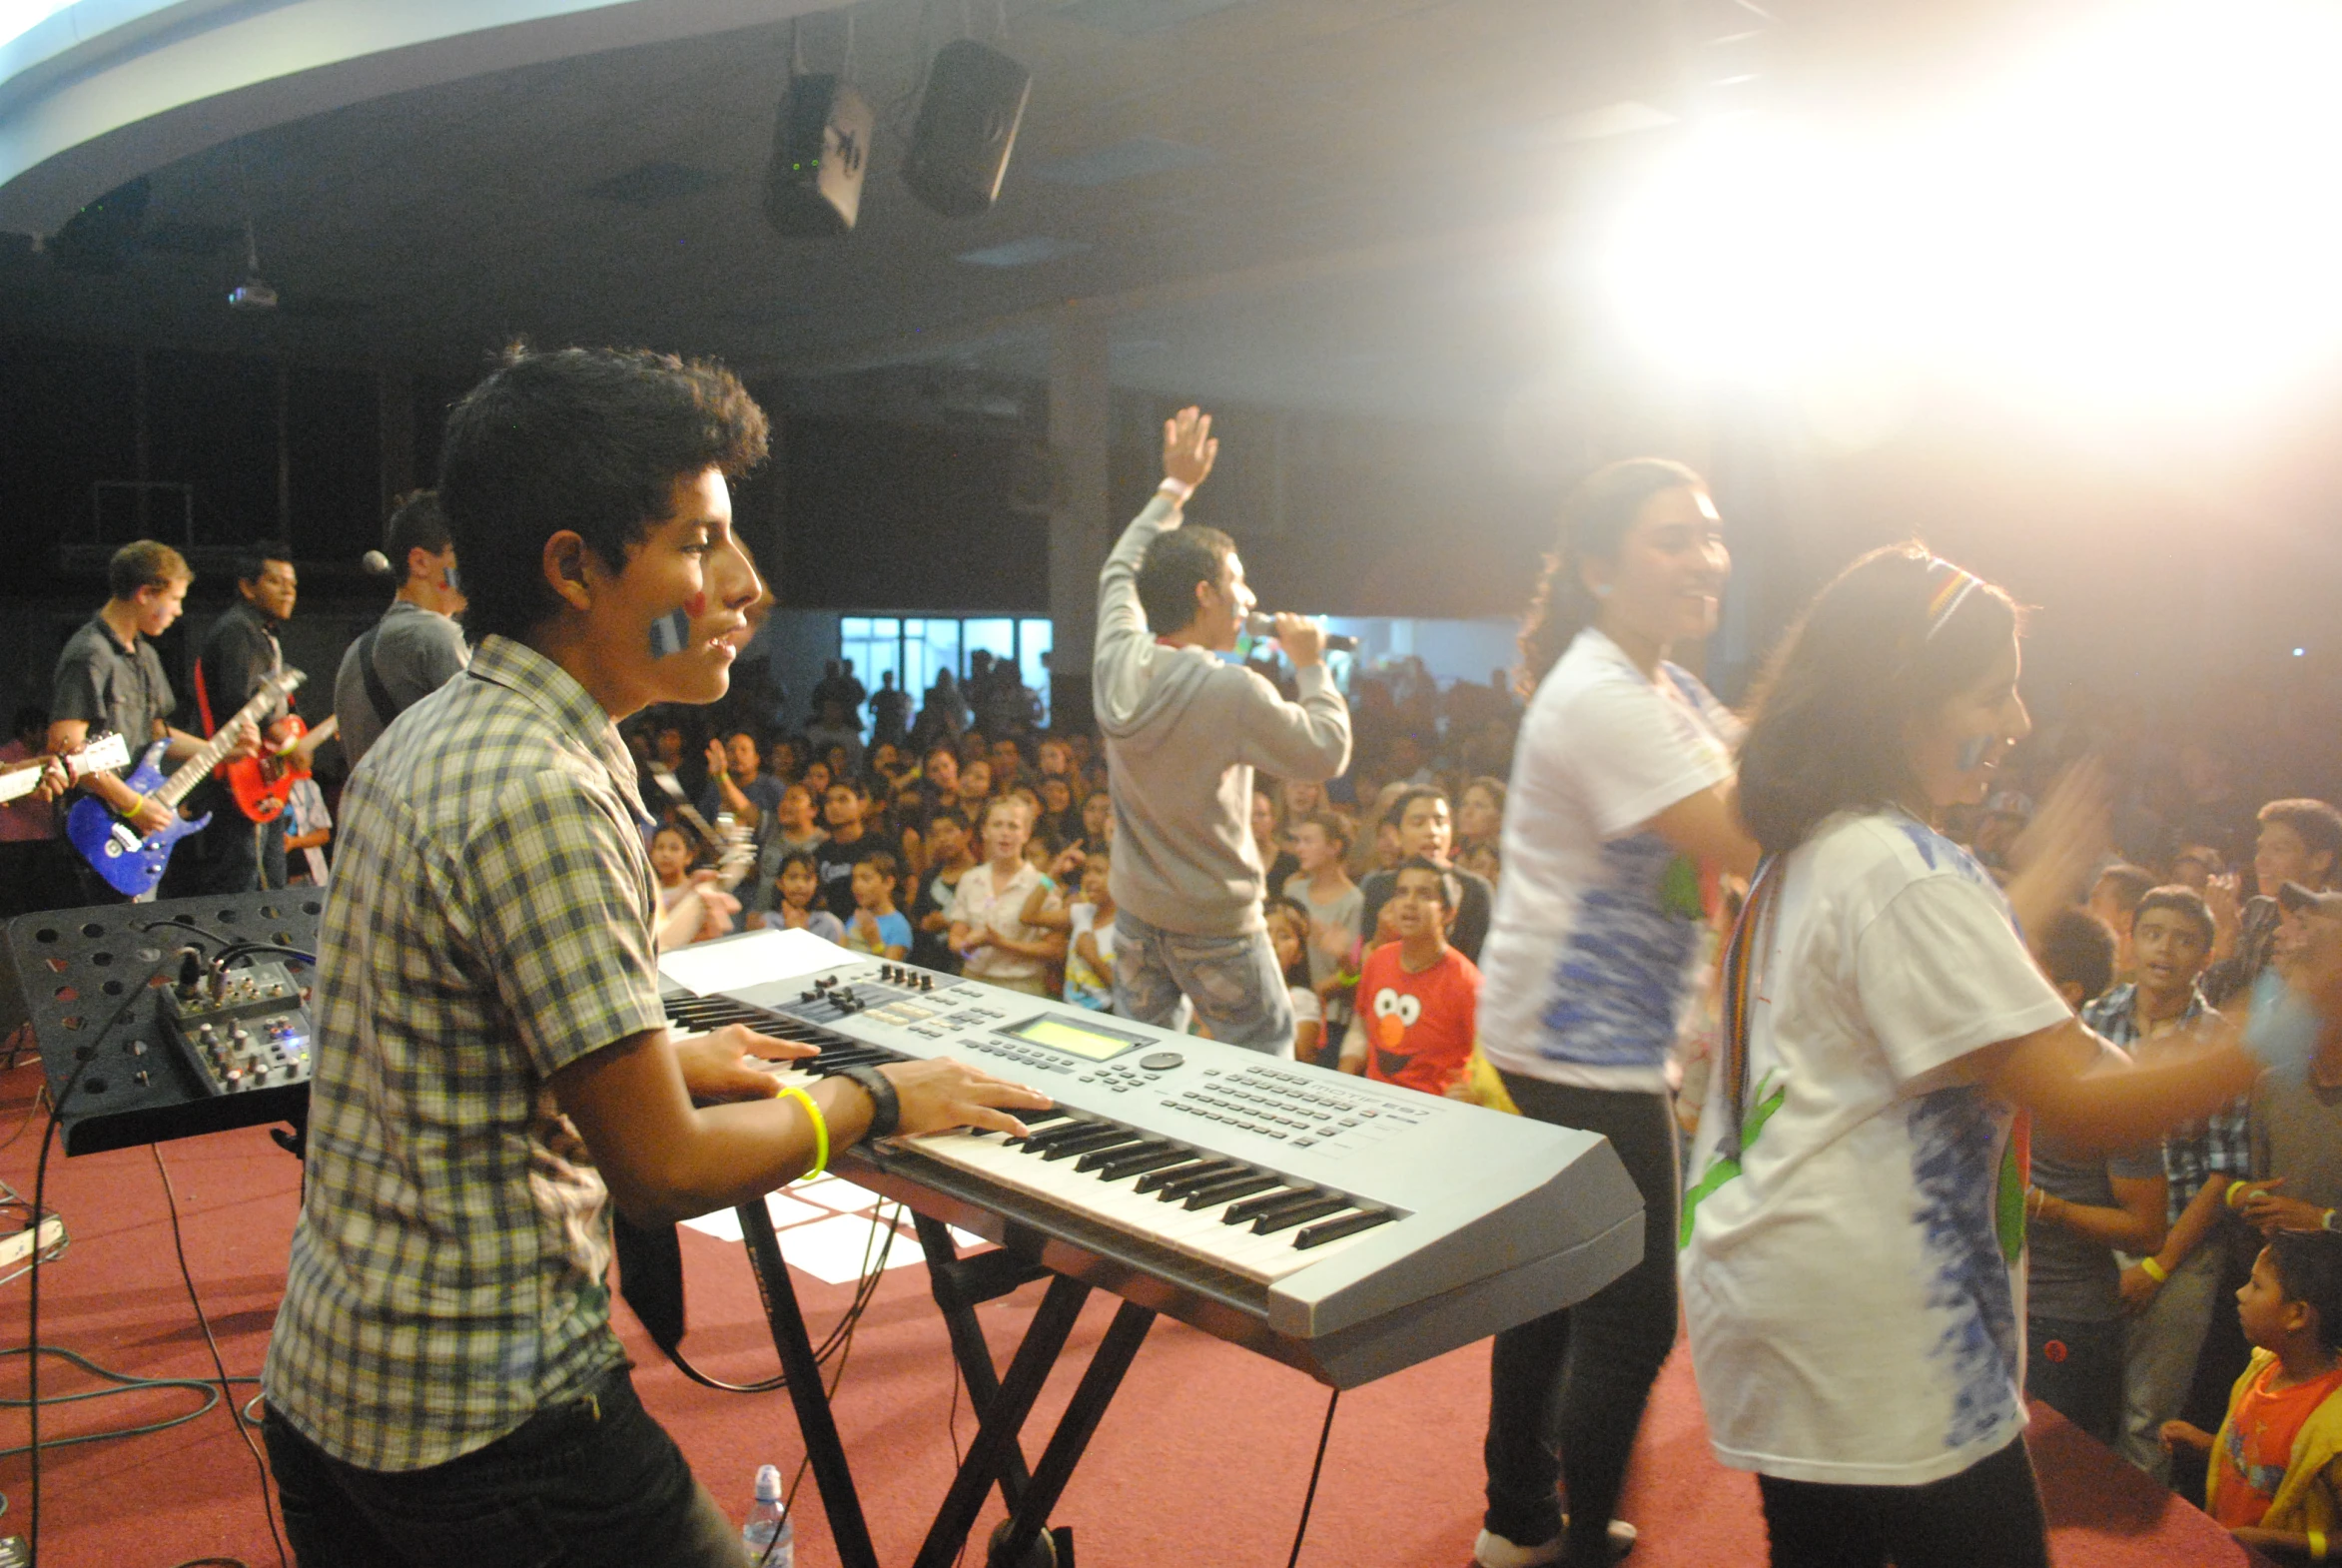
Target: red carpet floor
[1202,1459]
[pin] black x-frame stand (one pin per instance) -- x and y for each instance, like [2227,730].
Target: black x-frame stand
[1002,1405]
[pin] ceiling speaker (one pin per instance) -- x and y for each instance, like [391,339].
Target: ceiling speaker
[966,125]
[820,144]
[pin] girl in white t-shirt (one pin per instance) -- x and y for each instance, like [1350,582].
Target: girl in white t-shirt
[1621,793]
[1852,1238]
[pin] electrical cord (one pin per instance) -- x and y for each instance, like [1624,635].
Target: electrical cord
[219,1365]
[1309,1500]
[87,1055]
[125,1384]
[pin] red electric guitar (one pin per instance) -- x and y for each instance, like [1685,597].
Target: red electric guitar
[261,784]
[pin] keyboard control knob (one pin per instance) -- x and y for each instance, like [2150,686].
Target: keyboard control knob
[1162,1061]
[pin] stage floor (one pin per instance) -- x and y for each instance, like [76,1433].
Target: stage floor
[1202,1459]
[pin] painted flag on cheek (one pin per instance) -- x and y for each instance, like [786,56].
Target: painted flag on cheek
[670,633]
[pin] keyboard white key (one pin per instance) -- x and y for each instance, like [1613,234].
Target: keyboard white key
[1198,1233]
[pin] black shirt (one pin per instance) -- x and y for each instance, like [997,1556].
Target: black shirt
[1471,899]
[111,686]
[239,654]
[836,863]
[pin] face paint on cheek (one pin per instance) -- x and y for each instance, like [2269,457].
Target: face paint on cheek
[670,634]
[1971,752]
[451,581]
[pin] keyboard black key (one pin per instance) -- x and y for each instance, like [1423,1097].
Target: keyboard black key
[1104,1137]
[1181,1184]
[1079,1126]
[1133,1142]
[1298,1214]
[1126,1164]
[1334,1229]
[1194,1164]
[1226,1192]
[1253,1207]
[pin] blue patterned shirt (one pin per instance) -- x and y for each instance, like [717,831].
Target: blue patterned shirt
[2193,1154]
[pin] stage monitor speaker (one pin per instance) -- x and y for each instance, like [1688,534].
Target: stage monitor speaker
[821,144]
[967,124]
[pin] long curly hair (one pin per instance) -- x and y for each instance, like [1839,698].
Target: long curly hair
[1830,713]
[1594,520]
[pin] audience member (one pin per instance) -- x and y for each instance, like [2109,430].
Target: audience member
[796,891]
[948,858]
[1277,863]
[736,782]
[993,942]
[2081,1206]
[2114,899]
[28,824]
[2296,1120]
[848,845]
[1424,826]
[1089,960]
[2300,841]
[309,828]
[1324,892]
[2173,1291]
[878,928]
[890,712]
[1418,997]
[1288,937]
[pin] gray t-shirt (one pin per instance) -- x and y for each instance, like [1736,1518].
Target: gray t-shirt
[111,687]
[2071,1276]
[416,652]
[2297,1134]
[1343,910]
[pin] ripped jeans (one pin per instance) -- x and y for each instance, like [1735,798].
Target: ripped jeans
[1238,991]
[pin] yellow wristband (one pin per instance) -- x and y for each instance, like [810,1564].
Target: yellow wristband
[2317,1545]
[821,1133]
[2155,1270]
[2235,1193]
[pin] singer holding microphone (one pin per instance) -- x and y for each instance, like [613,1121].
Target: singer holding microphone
[1183,731]
[416,647]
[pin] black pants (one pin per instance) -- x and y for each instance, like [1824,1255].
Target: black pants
[1576,1380]
[2075,1368]
[595,1484]
[1986,1516]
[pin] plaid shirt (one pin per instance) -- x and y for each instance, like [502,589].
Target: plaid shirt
[2193,1154]
[489,922]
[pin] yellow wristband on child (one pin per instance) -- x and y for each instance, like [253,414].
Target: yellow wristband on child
[2317,1545]
[2237,1194]
[2153,1270]
[821,1133]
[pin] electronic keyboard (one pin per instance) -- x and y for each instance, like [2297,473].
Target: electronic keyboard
[1346,1227]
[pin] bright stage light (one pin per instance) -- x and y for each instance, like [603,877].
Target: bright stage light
[2141,216]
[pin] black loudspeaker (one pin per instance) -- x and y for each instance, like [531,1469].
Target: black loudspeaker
[967,123]
[820,145]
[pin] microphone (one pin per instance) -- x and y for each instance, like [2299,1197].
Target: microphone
[377,565]
[1262,625]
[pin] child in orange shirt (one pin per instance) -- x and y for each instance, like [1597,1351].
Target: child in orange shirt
[2276,1465]
[1419,998]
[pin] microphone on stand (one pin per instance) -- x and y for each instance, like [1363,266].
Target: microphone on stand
[1262,625]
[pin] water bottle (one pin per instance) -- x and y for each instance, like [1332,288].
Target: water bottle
[770,1535]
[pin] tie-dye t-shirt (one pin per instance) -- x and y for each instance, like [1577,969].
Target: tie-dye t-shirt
[1854,1281]
[1599,925]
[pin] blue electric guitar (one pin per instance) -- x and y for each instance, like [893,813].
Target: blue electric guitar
[132,865]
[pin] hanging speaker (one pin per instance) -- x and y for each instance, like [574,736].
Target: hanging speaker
[967,124]
[820,144]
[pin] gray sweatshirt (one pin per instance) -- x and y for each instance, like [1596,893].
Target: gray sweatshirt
[1183,732]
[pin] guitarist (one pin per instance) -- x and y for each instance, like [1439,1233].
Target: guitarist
[416,647]
[109,676]
[240,652]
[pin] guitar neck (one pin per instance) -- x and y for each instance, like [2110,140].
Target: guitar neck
[199,767]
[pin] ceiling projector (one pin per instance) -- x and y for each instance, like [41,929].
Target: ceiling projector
[252,294]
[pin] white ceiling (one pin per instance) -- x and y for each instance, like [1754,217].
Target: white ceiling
[1354,204]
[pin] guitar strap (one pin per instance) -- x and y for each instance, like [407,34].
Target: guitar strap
[387,708]
[203,701]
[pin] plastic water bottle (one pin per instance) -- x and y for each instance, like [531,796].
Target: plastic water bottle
[770,1535]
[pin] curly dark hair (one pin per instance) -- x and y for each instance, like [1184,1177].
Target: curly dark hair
[592,441]
[1594,520]
[1831,709]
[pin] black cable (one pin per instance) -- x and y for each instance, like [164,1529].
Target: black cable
[1301,1532]
[33,1292]
[219,1365]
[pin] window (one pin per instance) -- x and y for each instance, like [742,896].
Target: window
[920,648]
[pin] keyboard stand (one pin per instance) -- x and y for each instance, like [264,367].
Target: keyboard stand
[1002,1405]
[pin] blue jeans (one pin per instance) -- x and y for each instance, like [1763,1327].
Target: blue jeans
[592,1484]
[1238,991]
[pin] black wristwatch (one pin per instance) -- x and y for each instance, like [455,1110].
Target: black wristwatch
[886,1110]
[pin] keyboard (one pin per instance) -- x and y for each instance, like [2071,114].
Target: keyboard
[1346,1227]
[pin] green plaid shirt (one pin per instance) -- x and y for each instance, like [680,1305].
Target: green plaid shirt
[489,922]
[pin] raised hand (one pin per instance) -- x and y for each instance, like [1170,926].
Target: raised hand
[1189,448]
[944,1093]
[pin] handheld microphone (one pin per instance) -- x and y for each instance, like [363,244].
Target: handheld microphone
[1262,625]
[377,565]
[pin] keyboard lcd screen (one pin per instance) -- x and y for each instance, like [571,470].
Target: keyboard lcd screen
[1056,1033]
